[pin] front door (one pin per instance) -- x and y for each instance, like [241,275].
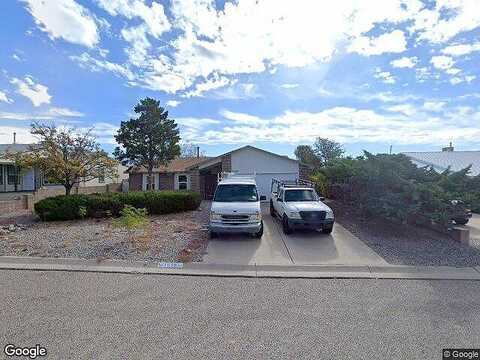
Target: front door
[210,185]
[12,178]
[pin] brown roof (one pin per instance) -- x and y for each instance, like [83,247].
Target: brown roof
[177,165]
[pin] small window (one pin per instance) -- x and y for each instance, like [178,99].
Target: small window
[150,186]
[1,174]
[13,175]
[182,182]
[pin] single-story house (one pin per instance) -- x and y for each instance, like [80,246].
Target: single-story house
[201,173]
[447,158]
[12,179]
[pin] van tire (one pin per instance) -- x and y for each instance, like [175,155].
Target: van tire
[259,234]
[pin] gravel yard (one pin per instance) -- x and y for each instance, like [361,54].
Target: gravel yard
[172,237]
[407,245]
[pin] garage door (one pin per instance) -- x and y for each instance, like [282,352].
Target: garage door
[264,181]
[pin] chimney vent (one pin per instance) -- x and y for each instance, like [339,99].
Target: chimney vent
[14,137]
[449,148]
[198,151]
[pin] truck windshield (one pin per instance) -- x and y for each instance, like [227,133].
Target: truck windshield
[300,195]
[236,193]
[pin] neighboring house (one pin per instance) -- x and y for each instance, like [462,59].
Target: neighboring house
[447,158]
[11,176]
[201,173]
[13,179]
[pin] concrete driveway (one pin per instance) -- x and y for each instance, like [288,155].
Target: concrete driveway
[304,248]
[474,227]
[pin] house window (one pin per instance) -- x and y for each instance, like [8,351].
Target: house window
[13,175]
[1,174]
[182,182]
[150,186]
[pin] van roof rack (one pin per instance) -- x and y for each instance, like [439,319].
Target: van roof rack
[276,183]
[232,175]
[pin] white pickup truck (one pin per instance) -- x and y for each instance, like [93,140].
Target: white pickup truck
[297,205]
[236,207]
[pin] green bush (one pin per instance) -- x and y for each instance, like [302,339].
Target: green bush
[392,187]
[69,207]
[132,218]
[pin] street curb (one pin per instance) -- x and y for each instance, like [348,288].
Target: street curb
[246,271]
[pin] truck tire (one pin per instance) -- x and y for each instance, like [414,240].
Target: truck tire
[212,235]
[461,221]
[286,226]
[272,209]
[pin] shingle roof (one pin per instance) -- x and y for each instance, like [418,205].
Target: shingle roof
[13,148]
[177,165]
[441,160]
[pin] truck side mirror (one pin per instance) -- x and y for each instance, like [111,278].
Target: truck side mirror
[322,198]
[263,198]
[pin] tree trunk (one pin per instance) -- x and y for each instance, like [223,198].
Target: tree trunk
[68,189]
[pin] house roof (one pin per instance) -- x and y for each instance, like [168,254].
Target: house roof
[442,160]
[176,165]
[13,148]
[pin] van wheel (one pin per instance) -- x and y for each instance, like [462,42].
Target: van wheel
[327,230]
[272,209]
[260,233]
[285,225]
[461,221]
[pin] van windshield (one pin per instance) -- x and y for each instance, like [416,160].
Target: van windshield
[236,193]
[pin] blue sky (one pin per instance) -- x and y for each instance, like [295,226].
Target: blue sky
[368,74]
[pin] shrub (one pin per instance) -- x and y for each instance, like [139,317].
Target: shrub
[63,207]
[132,218]
[69,207]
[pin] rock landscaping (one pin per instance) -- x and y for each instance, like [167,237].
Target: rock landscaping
[166,238]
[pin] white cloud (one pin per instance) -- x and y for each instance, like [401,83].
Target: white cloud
[384,76]
[214,83]
[5,98]
[458,80]
[435,106]
[173,103]
[406,109]
[461,49]
[433,26]
[393,42]
[347,125]
[64,19]
[63,112]
[37,93]
[240,117]
[50,114]
[404,62]
[289,86]
[88,62]
[442,62]
[23,135]
[453,71]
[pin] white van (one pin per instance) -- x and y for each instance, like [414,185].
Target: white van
[236,207]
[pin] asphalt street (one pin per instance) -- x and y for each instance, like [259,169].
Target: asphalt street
[115,316]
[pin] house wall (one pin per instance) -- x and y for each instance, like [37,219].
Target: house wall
[166,181]
[265,166]
[135,182]
[248,161]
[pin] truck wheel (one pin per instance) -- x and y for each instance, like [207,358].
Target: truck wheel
[461,221]
[260,233]
[285,225]
[212,235]
[272,209]
[327,230]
